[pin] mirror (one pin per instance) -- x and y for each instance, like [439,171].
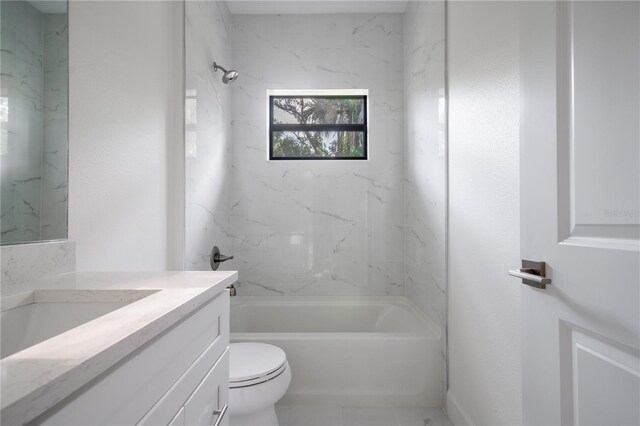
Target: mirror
[33,120]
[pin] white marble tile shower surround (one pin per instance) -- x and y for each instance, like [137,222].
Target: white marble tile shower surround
[21,158]
[207,126]
[34,140]
[318,227]
[425,165]
[321,227]
[55,145]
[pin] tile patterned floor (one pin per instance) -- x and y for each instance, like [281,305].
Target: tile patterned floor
[300,415]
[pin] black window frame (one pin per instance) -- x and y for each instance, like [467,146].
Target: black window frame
[295,127]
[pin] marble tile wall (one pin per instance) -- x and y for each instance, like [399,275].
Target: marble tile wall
[318,227]
[33,148]
[207,127]
[311,227]
[21,142]
[22,265]
[55,144]
[425,162]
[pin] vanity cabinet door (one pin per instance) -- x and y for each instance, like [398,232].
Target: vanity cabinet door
[207,404]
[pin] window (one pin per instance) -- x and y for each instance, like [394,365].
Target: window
[321,126]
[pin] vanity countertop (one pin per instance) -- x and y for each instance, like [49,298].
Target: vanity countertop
[37,378]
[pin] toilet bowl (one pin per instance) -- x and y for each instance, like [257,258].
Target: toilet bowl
[259,376]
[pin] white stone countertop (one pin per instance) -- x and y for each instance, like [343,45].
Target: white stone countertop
[37,378]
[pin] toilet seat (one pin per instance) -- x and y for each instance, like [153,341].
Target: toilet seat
[254,363]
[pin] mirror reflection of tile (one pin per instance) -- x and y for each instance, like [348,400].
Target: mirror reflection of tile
[33,120]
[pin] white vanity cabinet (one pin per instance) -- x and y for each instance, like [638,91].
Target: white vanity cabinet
[180,377]
[205,405]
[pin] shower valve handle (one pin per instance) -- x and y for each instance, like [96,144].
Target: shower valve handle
[217,258]
[222,258]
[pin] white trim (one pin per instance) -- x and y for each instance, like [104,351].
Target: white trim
[317,92]
[455,411]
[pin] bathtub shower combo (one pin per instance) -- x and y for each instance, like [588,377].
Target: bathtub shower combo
[378,351]
[316,156]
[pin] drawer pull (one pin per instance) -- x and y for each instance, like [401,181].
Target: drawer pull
[220,414]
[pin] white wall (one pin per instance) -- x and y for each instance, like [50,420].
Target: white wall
[318,227]
[484,303]
[126,152]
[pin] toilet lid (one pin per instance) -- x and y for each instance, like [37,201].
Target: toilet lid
[251,363]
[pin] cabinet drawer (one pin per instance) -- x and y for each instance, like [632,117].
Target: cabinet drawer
[209,401]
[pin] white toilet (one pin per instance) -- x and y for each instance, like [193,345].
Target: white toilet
[259,376]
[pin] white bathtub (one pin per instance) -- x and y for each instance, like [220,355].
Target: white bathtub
[347,351]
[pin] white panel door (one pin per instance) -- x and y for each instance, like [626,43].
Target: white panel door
[580,192]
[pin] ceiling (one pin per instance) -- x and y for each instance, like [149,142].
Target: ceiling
[302,7]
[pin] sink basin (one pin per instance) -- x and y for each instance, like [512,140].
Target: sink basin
[31,318]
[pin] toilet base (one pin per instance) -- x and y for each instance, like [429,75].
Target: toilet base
[266,417]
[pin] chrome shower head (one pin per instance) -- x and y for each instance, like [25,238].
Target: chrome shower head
[228,76]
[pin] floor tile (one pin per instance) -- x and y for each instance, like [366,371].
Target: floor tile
[422,416]
[369,416]
[301,415]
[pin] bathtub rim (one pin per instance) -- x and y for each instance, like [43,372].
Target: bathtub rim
[432,331]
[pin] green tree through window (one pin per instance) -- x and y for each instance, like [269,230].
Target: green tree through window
[318,127]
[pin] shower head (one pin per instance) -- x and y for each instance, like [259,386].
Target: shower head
[228,76]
